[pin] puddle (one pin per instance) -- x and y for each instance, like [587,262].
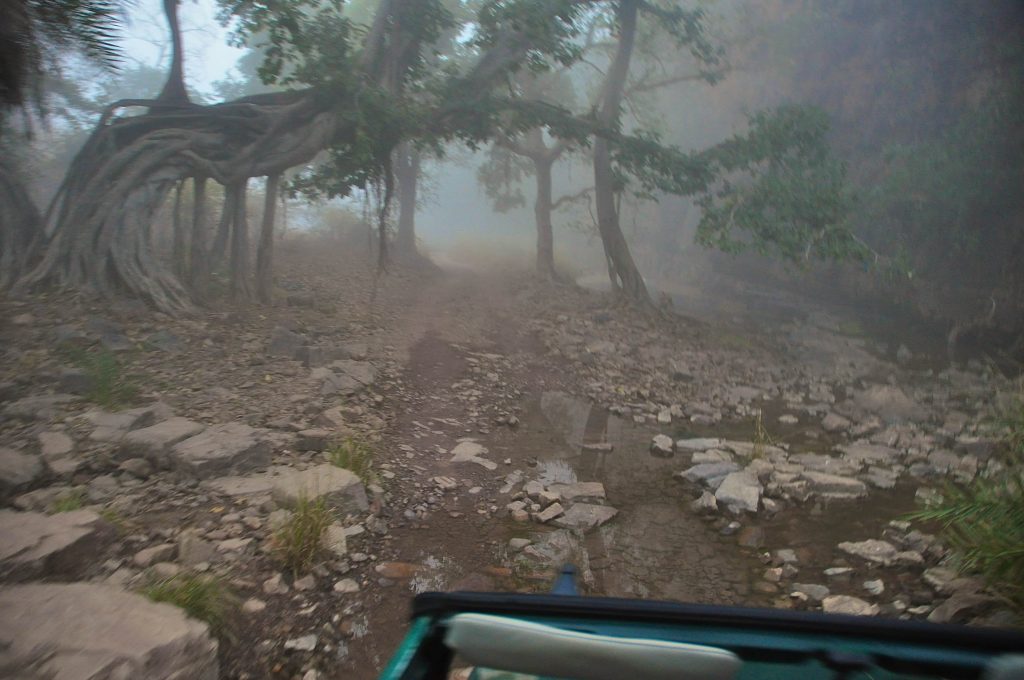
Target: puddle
[657,547]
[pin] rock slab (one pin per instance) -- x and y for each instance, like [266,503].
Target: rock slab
[100,632]
[36,545]
[339,487]
[222,448]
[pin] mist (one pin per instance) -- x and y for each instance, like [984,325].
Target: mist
[311,312]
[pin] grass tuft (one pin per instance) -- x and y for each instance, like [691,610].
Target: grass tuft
[353,454]
[68,502]
[202,597]
[299,542]
[109,387]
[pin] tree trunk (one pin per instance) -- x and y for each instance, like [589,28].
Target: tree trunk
[623,272]
[174,91]
[542,216]
[240,288]
[407,170]
[199,262]
[20,225]
[178,257]
[265,253]
[219,248]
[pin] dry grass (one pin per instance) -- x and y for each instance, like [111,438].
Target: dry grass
[299,542]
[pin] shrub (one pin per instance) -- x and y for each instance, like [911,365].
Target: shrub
[108,386]
[353,454]
[68,502]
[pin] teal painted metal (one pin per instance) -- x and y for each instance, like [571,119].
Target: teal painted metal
[410,643]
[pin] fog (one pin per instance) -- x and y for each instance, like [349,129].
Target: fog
[313,311]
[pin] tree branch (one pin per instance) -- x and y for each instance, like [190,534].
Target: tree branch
[570,198]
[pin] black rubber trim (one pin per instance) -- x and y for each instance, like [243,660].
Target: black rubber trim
[649,611]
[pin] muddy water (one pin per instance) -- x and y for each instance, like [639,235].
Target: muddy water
[657,547]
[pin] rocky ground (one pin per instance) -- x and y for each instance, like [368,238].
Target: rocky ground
[513,426]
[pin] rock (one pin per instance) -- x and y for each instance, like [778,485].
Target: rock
[585,516]
[101,632]
[662,445]
[285,343]
[332,419]
[549,513]
[341,488]
[450,484]
[872,550]
[889,403]
[784,556]
[813,591]
[345,377]
[307,582]
[398,571]
[947,581]
[346,585]
[165,341]
[275,585]
[336,540]
[875,454]
[788,419]
[153,442]
[517,544]
[709,474]
[739,490]
[53,445]
[157,553]
[75,381]
[568,492]
[222,448]
[664,417]
[835,486]
[34,545]
[469,451]
[881,478]
[193,549]
[40,407]
[304,643]
[833,422]
[698,444]
[17,470]
[846,604]
[961,607]
[875,587]
[838,572]
[314,440]
[706,504]
[253,606]
[136,467]
[903,355]
[750,537]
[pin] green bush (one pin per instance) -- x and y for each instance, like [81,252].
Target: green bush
[353,454]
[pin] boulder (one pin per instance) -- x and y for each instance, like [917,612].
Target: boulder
[585,516]
[662,445]
[847,604]
[739,491]
[34,545]
[17,470]
[549,513]
[889,403]
[153,442]
[85,631]
[709,474]
[222,448]
[835,486]
[568,492]
[339,487]
[872,550]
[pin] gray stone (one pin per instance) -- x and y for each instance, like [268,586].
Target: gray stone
[872,550]
[549,513]
[863,452]
[222,448]
[339,487]
[304,643]
[875,587]
[53,445]
[517,544]
[157,553]
[75,381]
[568,492]
[961,607]
[585,516]
[833,422]
[336,540]
[39,407]
[709,474]
[165,341]
[846,604]
[881,478]
[698,444]
[706,504]
[34,545]
[17,470]
[193,549]
[662,445]
[346,585]
[136,467]
[835,486]
[285,343]
[314,440]
[471,452]
[814,591]
[153,442]
[739,490]
[889,403]
[100,632]
[253,606]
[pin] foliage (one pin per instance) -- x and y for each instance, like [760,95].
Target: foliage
[353,454]
[984,522]
[108,386]
[36,31]
[299,541]
[69,502]
[203,597]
